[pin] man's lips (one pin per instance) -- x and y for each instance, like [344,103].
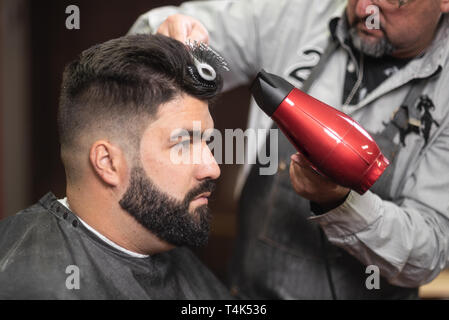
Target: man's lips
[202,198]
[202,195]
[361,26]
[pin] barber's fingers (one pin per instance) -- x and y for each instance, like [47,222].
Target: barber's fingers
[298,159]
[307,168]
[163,29]
[305,180]
[199,33]
[301,161]
[301,170]
[182,28]
[174,27]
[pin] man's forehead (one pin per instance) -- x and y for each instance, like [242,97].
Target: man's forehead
[183,113]
[183,104]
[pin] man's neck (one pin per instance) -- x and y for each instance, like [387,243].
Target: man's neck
[411,53]
[104,214]
[65,203]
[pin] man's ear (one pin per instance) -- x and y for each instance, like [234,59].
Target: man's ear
[444,5]
[108,162]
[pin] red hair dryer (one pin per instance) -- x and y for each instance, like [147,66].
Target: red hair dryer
[335,145]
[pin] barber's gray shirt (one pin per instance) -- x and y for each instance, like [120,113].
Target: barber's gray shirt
[43,247]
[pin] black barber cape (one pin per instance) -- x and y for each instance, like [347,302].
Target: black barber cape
[47,253]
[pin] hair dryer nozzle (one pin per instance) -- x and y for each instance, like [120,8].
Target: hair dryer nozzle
[269,91]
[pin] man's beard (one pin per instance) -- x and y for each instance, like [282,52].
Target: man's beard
[378,49]
[168,218]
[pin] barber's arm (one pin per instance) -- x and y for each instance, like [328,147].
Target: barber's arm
[408,242]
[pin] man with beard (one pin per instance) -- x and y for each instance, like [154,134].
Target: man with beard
[129,204]
[383,62]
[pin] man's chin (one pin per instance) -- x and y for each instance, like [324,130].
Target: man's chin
[199,212]
[369,40]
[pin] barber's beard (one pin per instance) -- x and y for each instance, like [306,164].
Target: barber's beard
[166,217]
[380,48]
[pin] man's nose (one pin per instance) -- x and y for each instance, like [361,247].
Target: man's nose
[208,168]
[361,8]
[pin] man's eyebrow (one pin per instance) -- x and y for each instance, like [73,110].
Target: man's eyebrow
[180,133]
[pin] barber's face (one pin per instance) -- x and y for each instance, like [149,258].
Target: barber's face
[167,196]
[404,31]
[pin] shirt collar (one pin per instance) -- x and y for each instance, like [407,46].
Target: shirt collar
[339,29]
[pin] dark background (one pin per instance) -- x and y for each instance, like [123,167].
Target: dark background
[49,47]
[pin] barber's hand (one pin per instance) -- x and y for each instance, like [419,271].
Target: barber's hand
[182,28]
[314,187]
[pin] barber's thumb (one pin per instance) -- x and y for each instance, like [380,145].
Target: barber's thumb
[297,158]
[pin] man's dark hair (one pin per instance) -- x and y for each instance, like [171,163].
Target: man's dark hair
[115,85]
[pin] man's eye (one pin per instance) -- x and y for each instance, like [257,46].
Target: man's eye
[184,144]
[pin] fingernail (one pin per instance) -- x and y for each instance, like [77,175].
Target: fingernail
[295,158]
